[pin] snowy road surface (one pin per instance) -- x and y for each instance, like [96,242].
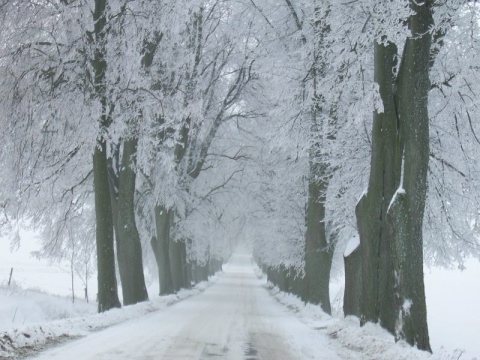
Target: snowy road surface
[234,319]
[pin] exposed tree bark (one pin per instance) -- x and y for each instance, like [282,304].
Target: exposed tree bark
[122,187]
[295,282]
[129,248]
[377,268]
[271,275]
[107,283]
[214,266]
[200,272]
[178,263]
[161,246]
[113,166]
[123,178]
[187,268]
[405,218]
[353,283]
[390,215]
[318,252]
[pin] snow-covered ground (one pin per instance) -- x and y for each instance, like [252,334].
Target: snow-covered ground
[452,308]
[29,272]
[25,315]
[371,341]
[35,336]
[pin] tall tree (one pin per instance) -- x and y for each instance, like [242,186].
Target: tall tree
[208,88]
[318,247]
[405,218]
[129,248]
[390,214]
[377,269]
[107,283]
[123,160]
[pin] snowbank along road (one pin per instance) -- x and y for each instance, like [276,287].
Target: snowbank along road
[235,319]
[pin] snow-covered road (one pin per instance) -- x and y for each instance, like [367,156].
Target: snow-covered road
[236,318]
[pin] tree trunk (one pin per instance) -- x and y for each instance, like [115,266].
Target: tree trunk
[107,282]
[177,264]
[282,278]
[271,275]
[129,248]
[377,268]
[353,283]
[318,252]
[390,215]
[72,273]
[187,268]
[405,218]
[295,281]
[162,223]
[214,266]
[200,272]
[195,273]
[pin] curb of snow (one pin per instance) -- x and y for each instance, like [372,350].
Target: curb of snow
[369,342]
[25,341]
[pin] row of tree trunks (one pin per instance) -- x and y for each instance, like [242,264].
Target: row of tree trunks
[200,272]
[175,272]
[214,266]
[390,214]
[286,279]
[107,282]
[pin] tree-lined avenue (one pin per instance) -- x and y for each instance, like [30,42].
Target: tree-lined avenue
[235,318]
